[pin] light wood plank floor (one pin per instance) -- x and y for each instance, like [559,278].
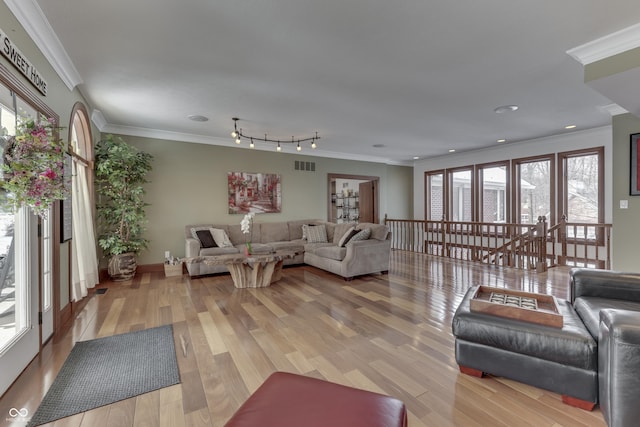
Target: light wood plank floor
[386,333]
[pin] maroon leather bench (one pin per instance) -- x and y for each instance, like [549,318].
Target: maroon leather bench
[290,400]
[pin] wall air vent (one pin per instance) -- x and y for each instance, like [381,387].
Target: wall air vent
[304,166]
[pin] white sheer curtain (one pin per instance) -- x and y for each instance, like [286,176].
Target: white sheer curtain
[84,261]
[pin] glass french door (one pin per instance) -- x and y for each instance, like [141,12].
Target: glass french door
[19,280]
[19,337]
[46,278]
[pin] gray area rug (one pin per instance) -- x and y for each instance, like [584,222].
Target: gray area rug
[105,370]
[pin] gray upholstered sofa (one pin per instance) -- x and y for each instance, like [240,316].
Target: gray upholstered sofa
[594,357]
[353,259]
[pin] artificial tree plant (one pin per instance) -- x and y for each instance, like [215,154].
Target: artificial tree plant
[121,171]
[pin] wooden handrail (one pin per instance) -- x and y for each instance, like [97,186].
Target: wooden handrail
[526,246]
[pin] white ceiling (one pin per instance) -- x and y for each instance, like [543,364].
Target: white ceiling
[420,77]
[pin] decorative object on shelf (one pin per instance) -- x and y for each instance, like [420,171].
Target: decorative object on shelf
[347,207]
[121,171]
[34,167]
[254,192]
[238,135]
[246,225]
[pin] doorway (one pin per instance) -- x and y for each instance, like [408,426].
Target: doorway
[353,198]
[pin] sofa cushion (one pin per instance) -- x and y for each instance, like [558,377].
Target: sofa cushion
[317,234]
[206,239]
[273,232]
[361,235]
[330,226]
[347,236]
[220,237]
[218,251]
[588,308]
[332,252]
[292,245]
[312,247]
[237,237]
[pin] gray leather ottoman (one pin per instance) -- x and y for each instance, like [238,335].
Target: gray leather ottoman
[563,360]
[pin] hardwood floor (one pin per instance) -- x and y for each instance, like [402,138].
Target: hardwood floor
[386,333]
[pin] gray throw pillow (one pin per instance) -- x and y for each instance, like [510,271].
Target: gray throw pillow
[317,234]
[305,227]
[221,238]
[362,235]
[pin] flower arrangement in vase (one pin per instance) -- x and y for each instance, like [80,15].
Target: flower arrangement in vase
[246,225]
[34,167]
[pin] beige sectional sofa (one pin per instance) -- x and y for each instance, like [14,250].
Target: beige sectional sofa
[353,259]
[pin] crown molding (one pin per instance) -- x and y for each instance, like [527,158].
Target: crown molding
[36,25]
[98,119]
[609,45]
[613,109]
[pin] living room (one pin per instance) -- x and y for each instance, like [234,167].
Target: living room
[188,185]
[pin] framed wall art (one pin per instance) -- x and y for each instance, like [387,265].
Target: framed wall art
[634,188]
[254,192]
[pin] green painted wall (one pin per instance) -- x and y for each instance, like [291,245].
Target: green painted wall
[188,185]
[626,231]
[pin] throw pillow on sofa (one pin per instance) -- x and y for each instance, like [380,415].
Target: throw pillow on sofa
[305,227]
[347,236]
[221,238]
[362,235]
[194,230]
[317,234]
[206,239]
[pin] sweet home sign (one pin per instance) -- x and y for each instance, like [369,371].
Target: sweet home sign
[21,63]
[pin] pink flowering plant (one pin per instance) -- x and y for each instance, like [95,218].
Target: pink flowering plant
[34,167]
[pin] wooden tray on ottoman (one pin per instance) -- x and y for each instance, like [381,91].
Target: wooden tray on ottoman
[528,307]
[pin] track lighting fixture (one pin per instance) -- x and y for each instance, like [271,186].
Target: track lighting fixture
[238,136]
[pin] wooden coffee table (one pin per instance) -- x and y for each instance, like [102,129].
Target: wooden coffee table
[253,271]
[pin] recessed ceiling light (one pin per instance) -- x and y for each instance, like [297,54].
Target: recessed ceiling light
[505,109]
[378,145]
[502,140]
[198,118]
[416,158]
[452,150]
[570,127]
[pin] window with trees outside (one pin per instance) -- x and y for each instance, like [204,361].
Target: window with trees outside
[535,179]
[522,190]
[493,192]
[581,191]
